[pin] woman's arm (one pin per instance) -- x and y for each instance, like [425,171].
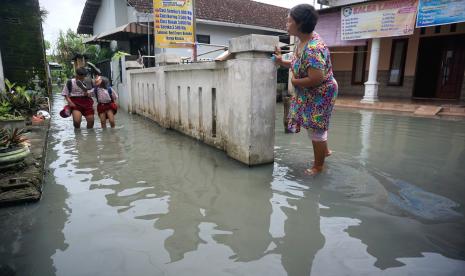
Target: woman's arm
[283,63]
[315,78]
[278,58]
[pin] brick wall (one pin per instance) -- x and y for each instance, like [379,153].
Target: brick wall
[21,42]
[344,79]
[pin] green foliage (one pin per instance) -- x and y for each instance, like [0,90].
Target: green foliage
[19,101]
[5,109]
[55,74]
[70,44]
[9,85]
[43,13]
[13,137]
[118,55]
[47,45]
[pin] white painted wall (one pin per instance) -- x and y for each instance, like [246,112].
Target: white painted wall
[106,17]
[121,12]
[133,14]
[2,77]
[181,97]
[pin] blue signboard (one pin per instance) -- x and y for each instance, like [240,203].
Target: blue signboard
[440,12]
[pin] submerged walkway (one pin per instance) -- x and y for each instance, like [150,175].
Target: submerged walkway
[141,200]
[418,107]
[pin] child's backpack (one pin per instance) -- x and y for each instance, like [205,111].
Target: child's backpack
[69,85]
[109,92]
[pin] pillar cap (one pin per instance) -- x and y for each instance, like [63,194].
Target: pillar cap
[253,43]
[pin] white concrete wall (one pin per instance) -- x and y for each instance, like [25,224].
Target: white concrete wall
[182,97]
[106,17]
[121,12]
[135,16]
[2,77]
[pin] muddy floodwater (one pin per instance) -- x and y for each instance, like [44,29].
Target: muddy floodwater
[142,200]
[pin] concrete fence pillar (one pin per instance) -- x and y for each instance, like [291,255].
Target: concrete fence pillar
[252,78]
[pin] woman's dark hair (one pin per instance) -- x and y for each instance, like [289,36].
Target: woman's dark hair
[306,16]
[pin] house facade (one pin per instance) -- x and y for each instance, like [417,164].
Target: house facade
[428,64]
[130,24]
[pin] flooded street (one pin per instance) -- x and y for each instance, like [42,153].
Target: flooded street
[142,200]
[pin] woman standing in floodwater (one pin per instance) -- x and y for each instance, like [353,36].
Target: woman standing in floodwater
[312,76]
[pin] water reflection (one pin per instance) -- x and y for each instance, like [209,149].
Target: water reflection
[142,200]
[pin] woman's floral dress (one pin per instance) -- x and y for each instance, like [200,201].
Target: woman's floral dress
[312,107]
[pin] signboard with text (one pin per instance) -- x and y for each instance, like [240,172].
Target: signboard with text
[440,12]
[378,19]
[174,23]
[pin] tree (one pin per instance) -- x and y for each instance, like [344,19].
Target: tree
[47,45]
[70,44]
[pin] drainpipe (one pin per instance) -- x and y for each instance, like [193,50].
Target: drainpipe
[371,86]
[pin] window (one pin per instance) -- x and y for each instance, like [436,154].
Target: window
[398,56]
[358,64]
[203,39]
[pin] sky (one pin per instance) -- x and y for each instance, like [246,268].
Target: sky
[62,15]
[65,14]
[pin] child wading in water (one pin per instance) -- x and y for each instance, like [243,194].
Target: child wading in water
[106,97]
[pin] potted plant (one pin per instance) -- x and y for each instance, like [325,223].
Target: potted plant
[8,120]
[12,103]
[13,147]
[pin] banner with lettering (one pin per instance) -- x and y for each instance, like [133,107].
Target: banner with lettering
[440,12]
[174,23]
[378,19]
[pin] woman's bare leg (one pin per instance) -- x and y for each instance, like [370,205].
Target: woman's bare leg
[320,150]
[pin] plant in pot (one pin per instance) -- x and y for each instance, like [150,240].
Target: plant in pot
[9,119]
[13,147]
[12,104]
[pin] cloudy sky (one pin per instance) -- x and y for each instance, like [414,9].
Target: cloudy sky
[65,14]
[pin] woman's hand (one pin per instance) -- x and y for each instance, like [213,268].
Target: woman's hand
[294,79]
[277,57]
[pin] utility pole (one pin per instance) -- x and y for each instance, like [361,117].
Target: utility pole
[194,23]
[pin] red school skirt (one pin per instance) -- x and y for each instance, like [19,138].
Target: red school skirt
[104,107]
[85,105]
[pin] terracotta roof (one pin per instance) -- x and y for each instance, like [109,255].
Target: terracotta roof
[243,12]
[233,11]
